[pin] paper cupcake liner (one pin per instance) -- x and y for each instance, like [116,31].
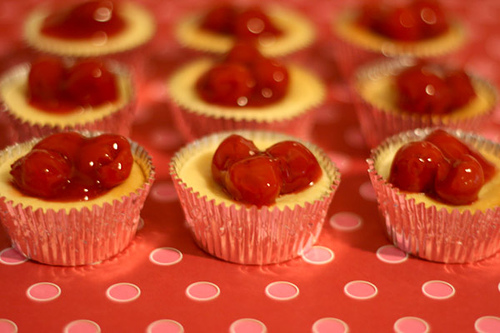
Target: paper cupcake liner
[448,236]
[78,237]
[354,48]
[377,124]
[193,125]
[119,121]
[252,235]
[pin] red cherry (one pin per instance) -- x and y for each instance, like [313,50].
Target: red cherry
[90,83]
[219,19]
[232,149]
[45,82]
[66,143]
[415,166]
[432,20]
[252,23]
[422,91]
[462,183]
[107,159]
[41,173]
[244,53]
[299,167]
[400,23]
[271,79]
[255,180]
[227,84]
[463,91]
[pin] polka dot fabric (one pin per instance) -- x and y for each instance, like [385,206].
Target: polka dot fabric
[351,280]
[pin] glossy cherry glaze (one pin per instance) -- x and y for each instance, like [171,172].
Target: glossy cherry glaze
[417,20]
[56,87]
[90,19]
[244,24]
[433,89]
[70,167]
[258,177]
[244,78]
[443,167]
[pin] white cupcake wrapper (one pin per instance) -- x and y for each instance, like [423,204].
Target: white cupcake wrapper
[377,124]
[429,233]
[252,235]
[22,130]
[78,237]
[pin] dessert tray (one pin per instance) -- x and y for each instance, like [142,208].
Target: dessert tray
[352,280]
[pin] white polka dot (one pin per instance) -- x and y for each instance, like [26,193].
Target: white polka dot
[330,325]
[391,254]
[11,256]
[346,221]
[247,325]
[487,324]
[318,255]
[165,139]
[123,292]
[163,192]
[202,291]
[165,326]
[82,326]
[411,325]
[354,138]
[8,326]
[360,290]
[342,161]
[165,256]
[282,290]
[438,289]
[367,192]
[43,291]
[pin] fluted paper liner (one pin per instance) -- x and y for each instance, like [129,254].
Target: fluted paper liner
[378,123]
[22,129]
[448,236]
[248,234]
[78,237]
[294,114]
[355,46]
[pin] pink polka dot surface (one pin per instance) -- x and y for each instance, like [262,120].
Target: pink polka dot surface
[163,191]
[360,290]
[411,325]
[8,326]
[391,254]
[247,325]
[330,325]
[165,256]
[487,324]
[367,192]
[82,326]
[438,289]
[11,256]
[123,292]
[203,291]
[318,255]
[165,326]
[43,291]
[282,290]
[346,221]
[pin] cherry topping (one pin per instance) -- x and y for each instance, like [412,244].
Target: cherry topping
[433,89]
[299,167]
[45,81]
[259,177]
[220,19]
[443,167]
[69,166]
[255,180]
[232,149]
[244,78]
[415,166]
[85,20]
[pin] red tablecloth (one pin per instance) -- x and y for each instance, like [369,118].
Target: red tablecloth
[353,279]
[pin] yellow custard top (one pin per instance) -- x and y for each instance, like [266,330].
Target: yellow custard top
[488,195]
[14,91]
[298,32]
[195,172]
[138,176]
[305,92]
[140,28]
[346,27]
[381,91]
